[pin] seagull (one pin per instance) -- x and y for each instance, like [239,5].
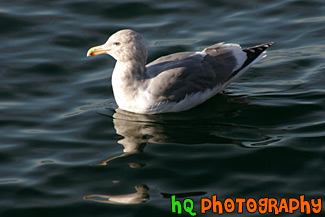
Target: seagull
[176,82]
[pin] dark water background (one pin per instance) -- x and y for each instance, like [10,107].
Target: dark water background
[62,139]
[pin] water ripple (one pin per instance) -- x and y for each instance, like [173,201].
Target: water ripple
[66,148]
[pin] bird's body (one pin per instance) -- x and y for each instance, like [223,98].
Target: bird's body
[176,82]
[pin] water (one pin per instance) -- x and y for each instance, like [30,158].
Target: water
[65,148]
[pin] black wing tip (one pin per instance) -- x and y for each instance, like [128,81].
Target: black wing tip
[252,53]
[268,44]
[259,48]
[256,51]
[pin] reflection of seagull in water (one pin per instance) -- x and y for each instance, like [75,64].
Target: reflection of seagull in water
[176,82]
[137,130]
[140,196]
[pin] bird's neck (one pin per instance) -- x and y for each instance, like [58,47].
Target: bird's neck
[126,79]
[130,69]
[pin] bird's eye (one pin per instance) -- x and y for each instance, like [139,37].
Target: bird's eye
[117,43]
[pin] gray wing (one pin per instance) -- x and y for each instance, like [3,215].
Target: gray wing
[177,75]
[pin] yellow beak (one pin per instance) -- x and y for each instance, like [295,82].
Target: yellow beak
[94,51]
